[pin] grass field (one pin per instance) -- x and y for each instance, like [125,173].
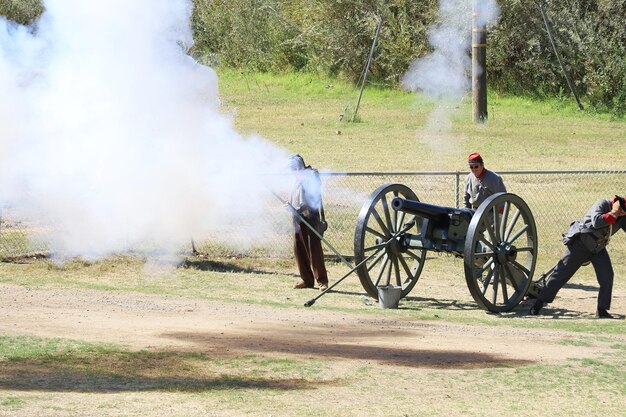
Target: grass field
[404,132]
[229,337]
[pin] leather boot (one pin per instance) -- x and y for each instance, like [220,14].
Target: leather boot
[300,285]
[603,314]
[534,310]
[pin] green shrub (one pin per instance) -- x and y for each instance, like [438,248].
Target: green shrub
[590,37]
[21,11]
[334,37]
[251,34]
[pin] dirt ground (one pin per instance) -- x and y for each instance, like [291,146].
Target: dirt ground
[164,322]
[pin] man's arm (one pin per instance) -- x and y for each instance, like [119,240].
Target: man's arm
[501,186]
[318,180]
[604,213]
[466,194]
[615,213]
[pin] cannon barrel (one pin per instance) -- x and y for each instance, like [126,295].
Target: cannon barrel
[427,211]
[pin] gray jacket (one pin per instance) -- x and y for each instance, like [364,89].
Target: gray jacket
[478,189]
[306,196]
[594,230]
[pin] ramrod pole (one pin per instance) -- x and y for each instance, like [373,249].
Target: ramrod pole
[307,224]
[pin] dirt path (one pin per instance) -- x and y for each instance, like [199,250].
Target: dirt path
[170,323]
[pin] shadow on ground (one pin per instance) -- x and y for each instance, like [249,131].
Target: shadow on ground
[350,343]
[219,266]
[134,371]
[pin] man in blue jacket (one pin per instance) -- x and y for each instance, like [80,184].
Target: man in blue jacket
[586,241]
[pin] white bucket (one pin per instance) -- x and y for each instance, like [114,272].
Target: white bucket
[389,296]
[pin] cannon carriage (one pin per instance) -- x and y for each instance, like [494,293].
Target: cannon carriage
[497,241]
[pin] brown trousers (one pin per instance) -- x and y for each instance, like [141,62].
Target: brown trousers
[309,254]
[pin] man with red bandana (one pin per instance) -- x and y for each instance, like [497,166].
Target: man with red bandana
[480,183]
[586,242]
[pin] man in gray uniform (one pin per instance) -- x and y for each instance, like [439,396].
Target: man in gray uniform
[586,241]
[480,183]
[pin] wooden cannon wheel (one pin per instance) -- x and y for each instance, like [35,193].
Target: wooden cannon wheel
[500,252]
[378,234]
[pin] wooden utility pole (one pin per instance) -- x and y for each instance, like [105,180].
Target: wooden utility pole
[479,68]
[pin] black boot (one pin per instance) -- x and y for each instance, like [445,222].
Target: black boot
[534,310]
[603,314]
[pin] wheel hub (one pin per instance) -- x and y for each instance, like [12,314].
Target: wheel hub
[394,247]
[397,245]
[506,253]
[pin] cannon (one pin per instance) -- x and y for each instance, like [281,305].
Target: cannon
[497,241]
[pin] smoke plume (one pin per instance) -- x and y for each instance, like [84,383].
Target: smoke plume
[444,73]
[112,135]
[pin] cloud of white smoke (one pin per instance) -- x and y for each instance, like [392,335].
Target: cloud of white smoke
[112,136]
[444,73]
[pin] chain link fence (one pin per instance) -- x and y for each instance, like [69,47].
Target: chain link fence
[555,198]
[19,239]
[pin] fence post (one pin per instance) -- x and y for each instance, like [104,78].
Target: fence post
[457,190]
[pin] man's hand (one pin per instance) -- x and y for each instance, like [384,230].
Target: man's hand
[617,210]
[303,209]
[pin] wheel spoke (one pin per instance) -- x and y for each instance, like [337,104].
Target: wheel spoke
[389,271]
[405,266]
[496,223]
[376,233]
[505,215]
[496,278]
[396,269]
[375,247]
[489,229]
[526,249]
[380,222]
[519,233]
[415,256]
[487,243]
[521,268]
[486,265]
[376,259]
[487,281]
[513,278]
[512,224]
[386,210]
[400,220]
[505,294]
[381,270]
